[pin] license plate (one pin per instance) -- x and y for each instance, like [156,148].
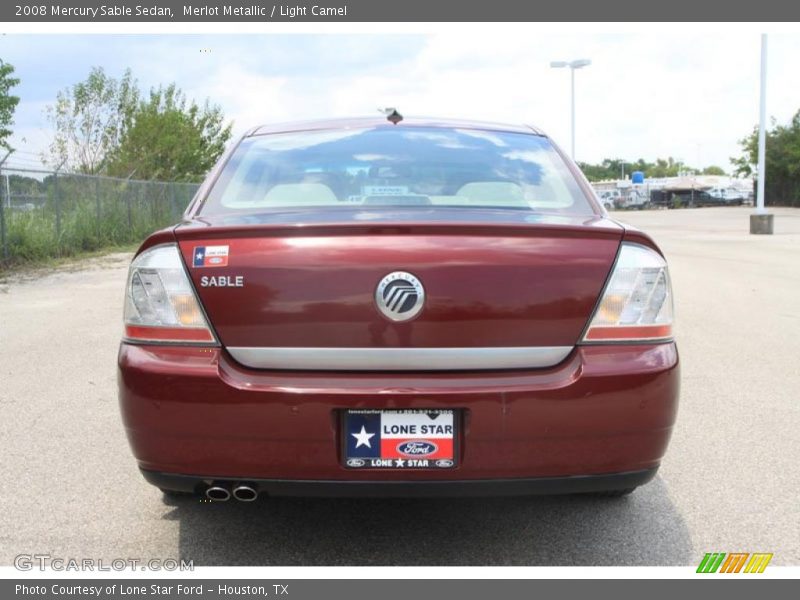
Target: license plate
[400,439]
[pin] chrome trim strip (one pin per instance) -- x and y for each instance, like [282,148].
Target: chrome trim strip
[400,359]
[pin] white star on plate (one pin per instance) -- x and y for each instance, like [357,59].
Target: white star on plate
[362,439]
[199,255]
[400,462]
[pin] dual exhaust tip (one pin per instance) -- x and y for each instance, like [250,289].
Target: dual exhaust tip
[241,492]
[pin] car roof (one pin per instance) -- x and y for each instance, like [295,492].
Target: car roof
[370,122]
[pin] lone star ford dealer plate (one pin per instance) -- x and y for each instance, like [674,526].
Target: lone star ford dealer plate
[399,439]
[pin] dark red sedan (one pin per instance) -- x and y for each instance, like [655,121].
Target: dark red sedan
[397,307]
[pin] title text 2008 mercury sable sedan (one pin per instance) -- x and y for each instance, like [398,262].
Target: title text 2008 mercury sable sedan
[397,307]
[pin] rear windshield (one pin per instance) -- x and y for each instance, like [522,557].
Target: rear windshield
[396,166]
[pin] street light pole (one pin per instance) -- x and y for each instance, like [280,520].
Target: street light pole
[573,64]
[762,126]
[760,221]
[572,110]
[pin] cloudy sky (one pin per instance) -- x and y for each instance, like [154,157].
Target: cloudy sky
[649,94]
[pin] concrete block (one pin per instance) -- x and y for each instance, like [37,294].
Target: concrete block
[762,224]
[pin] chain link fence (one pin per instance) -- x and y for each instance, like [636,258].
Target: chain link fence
[50,214]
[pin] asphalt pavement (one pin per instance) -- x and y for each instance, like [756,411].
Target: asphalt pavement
[729,482]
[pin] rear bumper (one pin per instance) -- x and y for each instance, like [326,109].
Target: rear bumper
[604,411]
[411,489]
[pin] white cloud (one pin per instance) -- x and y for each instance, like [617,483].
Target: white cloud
[247,97]
[649,94]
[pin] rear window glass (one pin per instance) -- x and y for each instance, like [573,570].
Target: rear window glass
[396,166]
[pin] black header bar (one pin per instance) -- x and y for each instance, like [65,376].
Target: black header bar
[333,11]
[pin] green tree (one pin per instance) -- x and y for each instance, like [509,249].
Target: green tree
[8,103]
[782,165]
[745,165]
[608,169]
[169,138]
[613,168]
[89,119]
[714,170]
[667,167]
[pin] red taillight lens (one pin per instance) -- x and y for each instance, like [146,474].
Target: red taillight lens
[637,302]
[160,304]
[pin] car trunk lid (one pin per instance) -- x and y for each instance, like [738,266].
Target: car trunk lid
[307,280]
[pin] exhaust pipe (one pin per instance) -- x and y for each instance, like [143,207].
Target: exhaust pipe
[245,493]
[218,493]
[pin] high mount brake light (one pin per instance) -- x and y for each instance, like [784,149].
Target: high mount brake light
[637,301]
[160,304]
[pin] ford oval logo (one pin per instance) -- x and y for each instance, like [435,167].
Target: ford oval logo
[444,463]
[417,448]
[355,462]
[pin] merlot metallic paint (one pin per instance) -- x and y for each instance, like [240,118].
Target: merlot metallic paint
[605,409]
[493,279]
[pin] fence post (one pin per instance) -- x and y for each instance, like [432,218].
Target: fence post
[97,203]
[3,223]
[128,200]
[3,242]
[3,231]
[173,210]
[58,206]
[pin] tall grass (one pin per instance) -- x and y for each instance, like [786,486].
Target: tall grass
[80,214]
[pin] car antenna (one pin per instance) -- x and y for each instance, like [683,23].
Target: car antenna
[391,115]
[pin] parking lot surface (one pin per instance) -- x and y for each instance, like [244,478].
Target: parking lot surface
[729,482]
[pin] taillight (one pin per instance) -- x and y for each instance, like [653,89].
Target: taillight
[637,302]
[160,305]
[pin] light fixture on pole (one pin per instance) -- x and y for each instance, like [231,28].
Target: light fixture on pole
[572,64]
